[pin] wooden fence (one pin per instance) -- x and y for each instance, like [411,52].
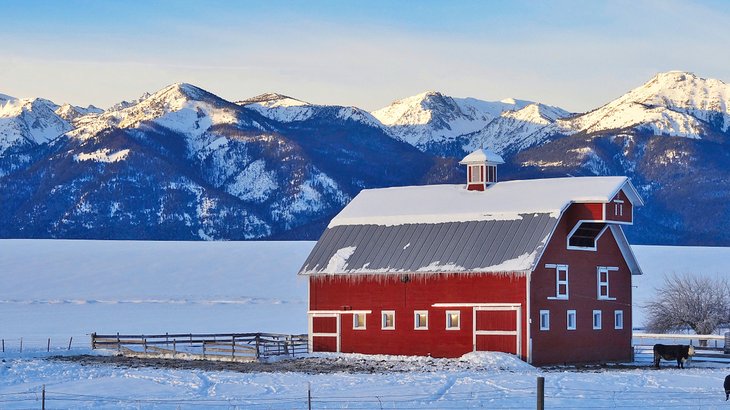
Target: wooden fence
[237,347]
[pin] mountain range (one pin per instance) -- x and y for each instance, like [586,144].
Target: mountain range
[185,164]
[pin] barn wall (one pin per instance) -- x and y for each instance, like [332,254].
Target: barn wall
[341,292]
[559,345]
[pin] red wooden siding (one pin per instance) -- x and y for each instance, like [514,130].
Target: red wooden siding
[406,293]
[559,345]
[625,211]
[325,324]
[324,344]
[496,320]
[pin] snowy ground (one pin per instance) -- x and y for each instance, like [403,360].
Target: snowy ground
[63,289]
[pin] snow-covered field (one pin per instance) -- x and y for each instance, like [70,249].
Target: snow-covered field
[63,289]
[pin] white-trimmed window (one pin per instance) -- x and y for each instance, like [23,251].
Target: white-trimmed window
[618,319]
[420,320]
[571,320]
[597,320]
[387,320]
[602,274]
[453,320]
[561,281]
[476,173]
[358,321]
[544,320]
[618,207]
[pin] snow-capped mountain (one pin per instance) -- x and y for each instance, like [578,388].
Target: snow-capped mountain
[286,109]
[447,126]
[29,121]
[71,113]
[674,103]
[183,163]
[516,130]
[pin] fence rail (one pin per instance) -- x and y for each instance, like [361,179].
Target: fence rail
[207,346]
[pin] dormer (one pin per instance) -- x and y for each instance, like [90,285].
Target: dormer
[481,169]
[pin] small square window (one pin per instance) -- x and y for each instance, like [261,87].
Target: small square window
[388,320]
[453,320]
[544,320]
[596,320]
[571,320]
[420,320]
[358,321]
[618,319]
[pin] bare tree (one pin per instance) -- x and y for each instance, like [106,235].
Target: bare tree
[698,302]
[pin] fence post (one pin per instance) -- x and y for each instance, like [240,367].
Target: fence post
[540,393]
[21,345]
[174,347]
[43,398]
[233,347]
[119,346]
[48,346]
[309,395]
[93,341]
[69,342]
[144,341]
[3,345]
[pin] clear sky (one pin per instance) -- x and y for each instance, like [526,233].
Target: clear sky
[574,54]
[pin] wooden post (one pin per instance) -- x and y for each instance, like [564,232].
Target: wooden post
[21,345]
[3,345]
[119,346]
[71,339]
[43,398]
[93,341]
[174,347]
[145,344]
[203,349]
[309,395]
[258,346]
[540,393]
[48,346]
[233,347]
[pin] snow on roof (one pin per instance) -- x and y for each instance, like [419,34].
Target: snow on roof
[482,155]
[502,201]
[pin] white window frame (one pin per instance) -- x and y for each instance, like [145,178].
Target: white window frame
[416,314]
[544,320]
[597,324]
[558,282]
[618,207]
[600,284]
[383,321]
[476,178]
[355,323]
[618,319]
[448,319]
[594,248]
[568,314]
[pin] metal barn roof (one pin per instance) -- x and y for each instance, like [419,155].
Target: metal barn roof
[471,246]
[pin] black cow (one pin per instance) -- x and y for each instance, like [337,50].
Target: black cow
[681,353]
[726,385]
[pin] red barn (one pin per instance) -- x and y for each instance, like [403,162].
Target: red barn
[538,268]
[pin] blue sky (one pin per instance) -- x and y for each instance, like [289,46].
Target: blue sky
[574,54]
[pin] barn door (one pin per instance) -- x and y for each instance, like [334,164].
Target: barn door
[498,329]
[324,332]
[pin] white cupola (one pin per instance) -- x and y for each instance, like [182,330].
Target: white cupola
[481,169]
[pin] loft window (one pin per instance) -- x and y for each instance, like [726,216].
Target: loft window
[602,275]
[420,320]
[476,173]
[561,281]
[585,235]
[453,320]
[618,207]
[358,321]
